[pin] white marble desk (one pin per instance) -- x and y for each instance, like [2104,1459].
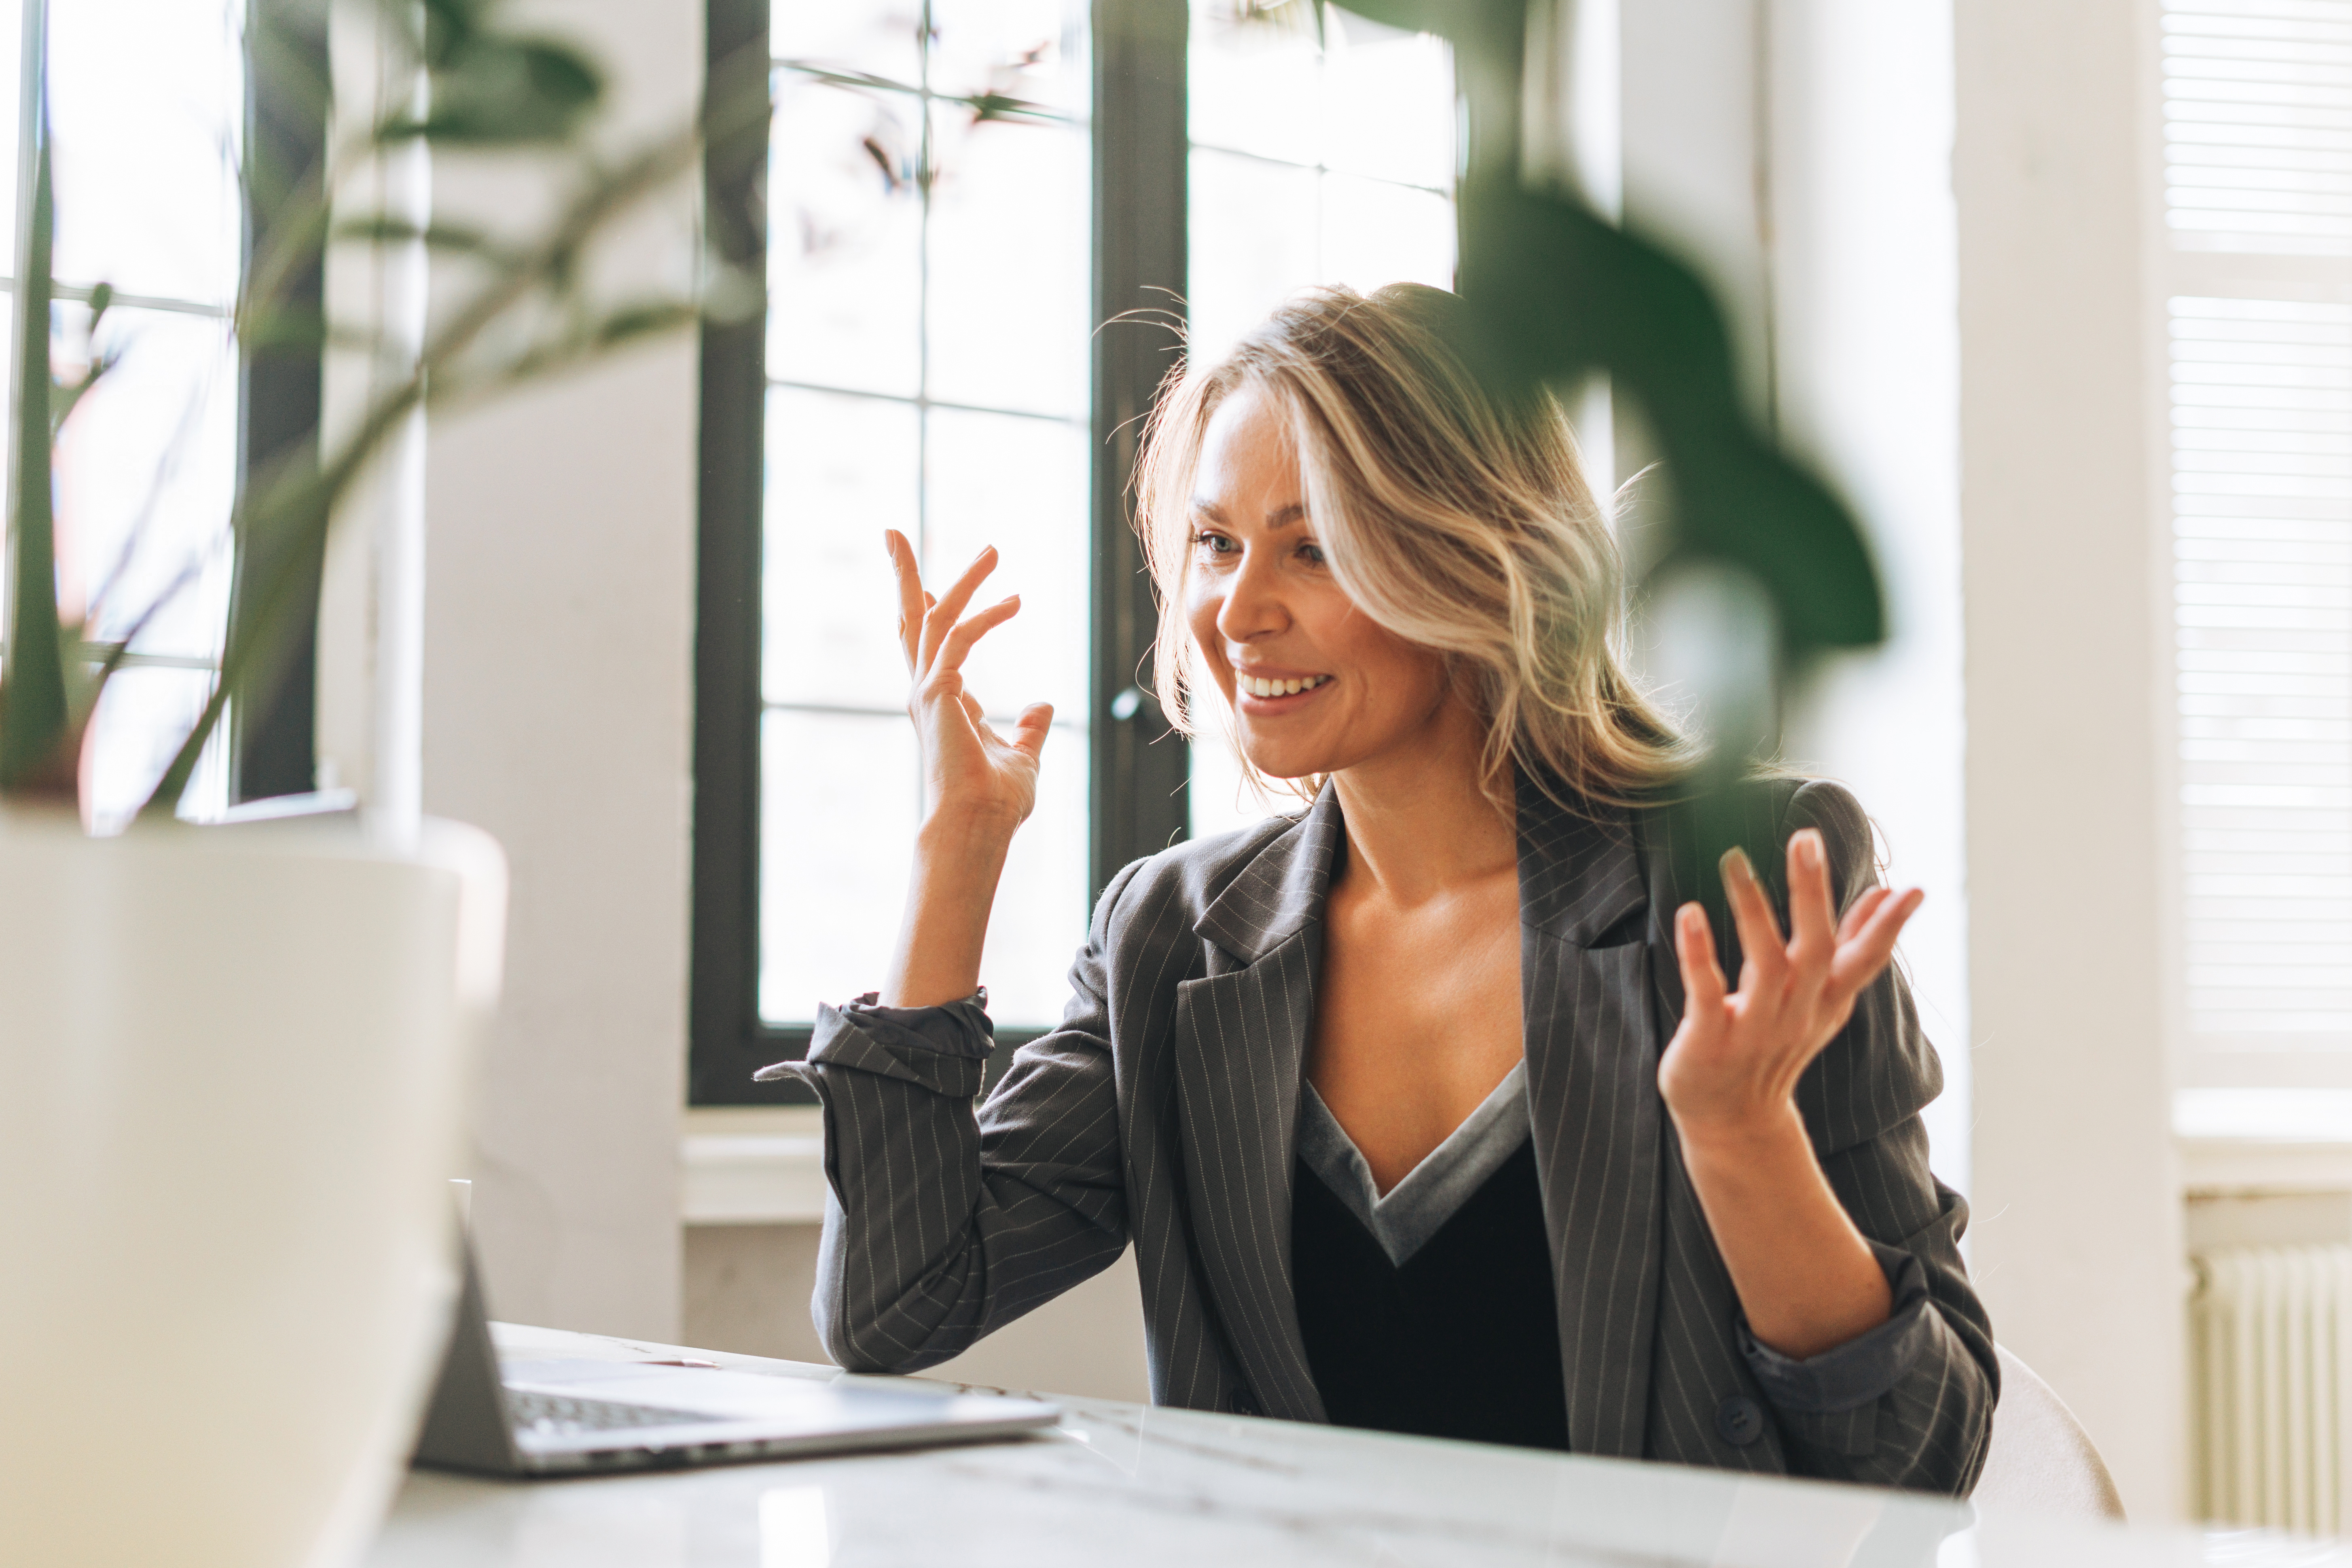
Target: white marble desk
[1119,1484]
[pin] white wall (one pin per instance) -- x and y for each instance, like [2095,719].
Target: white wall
[1864,282]
[558,714]
[1944,220]
[1799,153]
[2078,1250]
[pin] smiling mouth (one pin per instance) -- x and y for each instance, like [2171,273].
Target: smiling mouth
[1274,691]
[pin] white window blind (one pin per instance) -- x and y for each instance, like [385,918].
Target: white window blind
[2258,208]
[2258,125]
[2261,459]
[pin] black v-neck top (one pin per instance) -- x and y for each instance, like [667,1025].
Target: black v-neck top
[1462,1340]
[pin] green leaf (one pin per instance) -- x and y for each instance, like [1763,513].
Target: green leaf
[33,711]
[632,322]
[384,228]
[1555,292]
[495,91]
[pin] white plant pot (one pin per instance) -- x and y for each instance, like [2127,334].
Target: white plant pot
[233,1076]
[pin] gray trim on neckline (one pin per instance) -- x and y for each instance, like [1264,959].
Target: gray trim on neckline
[1417,1207]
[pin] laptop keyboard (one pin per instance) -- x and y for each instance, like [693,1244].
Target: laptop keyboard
[558,1415]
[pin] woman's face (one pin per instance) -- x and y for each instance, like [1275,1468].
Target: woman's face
[1316,686]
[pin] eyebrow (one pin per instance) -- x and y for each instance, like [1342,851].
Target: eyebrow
[1284,516]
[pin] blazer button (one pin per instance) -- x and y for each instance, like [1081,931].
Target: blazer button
[1243,1404]
[1740,1420]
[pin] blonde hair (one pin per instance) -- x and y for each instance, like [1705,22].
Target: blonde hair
[1458,521]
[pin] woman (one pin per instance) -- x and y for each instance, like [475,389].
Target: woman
[1414,1120]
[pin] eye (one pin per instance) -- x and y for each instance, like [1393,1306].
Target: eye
[1311,553]
[1213,546]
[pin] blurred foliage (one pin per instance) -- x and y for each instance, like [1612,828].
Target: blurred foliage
[522,307]
[1556,292]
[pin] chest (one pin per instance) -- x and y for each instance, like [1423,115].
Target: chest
[1417,1017]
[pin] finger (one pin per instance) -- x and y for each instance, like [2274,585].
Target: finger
[1859,915]
[1760,951]
[1860,961]
[1029,730]
[968,631]
[939,625]
[1702,974]
[912,601]
[1812,917]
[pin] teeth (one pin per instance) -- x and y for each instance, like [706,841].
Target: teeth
[1257,687]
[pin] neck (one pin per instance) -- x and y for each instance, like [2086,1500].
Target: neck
[1419,820]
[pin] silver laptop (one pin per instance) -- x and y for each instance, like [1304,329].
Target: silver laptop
[564,1417]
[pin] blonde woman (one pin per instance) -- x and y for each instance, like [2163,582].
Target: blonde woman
[1431,1109]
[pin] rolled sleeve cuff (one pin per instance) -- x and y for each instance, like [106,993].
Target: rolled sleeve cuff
[943,1048]
[1856,1372]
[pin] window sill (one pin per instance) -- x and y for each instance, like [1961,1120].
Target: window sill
[2264,1140]
[752,1165]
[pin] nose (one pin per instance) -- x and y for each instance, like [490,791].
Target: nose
[1252,607]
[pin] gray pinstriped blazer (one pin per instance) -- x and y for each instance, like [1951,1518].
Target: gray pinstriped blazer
[1164,1112]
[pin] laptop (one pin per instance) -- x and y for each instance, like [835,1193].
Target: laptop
[569,1418]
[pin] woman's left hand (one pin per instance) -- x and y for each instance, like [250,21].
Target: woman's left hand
[1732,1068]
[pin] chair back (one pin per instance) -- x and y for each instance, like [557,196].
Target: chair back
[2041,1458]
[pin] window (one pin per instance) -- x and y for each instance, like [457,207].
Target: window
[935,358]
[147,111]
[1316,157]
[927,363]
[2257,118]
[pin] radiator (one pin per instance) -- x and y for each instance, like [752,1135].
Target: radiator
[2271,1386]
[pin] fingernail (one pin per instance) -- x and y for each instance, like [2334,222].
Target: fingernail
[1736,867]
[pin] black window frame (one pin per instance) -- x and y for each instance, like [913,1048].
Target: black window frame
[1139,771]
[273,738]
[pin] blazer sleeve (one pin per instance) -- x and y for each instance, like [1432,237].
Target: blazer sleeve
[1911,1403]
[944,1220]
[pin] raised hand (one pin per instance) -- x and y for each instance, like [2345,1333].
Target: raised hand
[975,775]
[1733,1065]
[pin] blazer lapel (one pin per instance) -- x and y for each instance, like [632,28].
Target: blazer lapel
[1240,1046]
[1592,1045]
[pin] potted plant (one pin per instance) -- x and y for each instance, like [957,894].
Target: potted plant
[233,1059]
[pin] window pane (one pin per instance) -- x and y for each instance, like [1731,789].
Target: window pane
[1344,132]
[840,470]
[1375,233]
[1020,485]
[146,476]
[1001,229]
[837,814]
[845,266]
[143,716]
[876,39]
[146,102]
[1008,265]
[1253,243]
[1255,85]
[1040,920]
[1035,50]
[1388,102]
[12,32]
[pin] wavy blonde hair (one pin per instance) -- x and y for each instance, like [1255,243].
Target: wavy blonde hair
[1459,521]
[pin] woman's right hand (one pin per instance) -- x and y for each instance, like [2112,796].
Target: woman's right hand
[974,777]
